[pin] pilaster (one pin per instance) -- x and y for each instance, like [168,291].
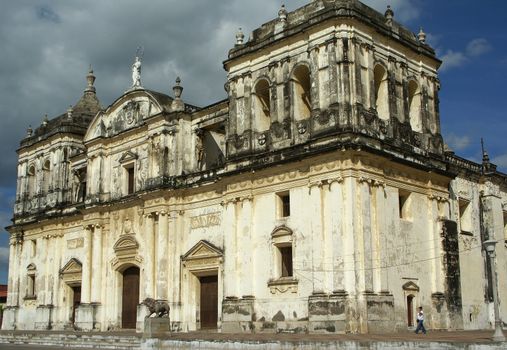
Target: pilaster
[97,264]
[162,254]
[87,265]
[148,255]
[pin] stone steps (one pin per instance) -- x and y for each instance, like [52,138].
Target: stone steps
[73,339]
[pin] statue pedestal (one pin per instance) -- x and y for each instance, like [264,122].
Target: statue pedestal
[156,326]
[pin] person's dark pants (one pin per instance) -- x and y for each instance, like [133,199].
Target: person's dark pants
[420,327]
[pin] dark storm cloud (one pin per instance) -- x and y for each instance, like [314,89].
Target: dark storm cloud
[46,13]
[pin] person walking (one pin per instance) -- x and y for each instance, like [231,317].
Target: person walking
[420,321]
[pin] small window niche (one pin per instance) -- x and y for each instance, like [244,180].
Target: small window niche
[33,248]
[381,91]
[404,204]
[30,174]
[130,178]
[46,176]
[283,205]
[465,217]
[30,282]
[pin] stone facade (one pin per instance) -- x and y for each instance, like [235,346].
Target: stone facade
[318,197]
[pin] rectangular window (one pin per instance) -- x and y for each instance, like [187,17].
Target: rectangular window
[34,248]
[403,204]
[130,179]
[30,288]
[284,204]
[465,217]
[286,263]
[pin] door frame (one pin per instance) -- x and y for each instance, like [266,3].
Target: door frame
[203,259]
[119,291]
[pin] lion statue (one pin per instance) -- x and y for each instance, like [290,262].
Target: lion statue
[159,308]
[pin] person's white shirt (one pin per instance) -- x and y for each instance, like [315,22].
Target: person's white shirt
[420,316]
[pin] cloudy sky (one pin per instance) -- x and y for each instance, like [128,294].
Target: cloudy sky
[47,47]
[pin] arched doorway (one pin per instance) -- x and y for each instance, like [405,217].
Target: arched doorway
[130,297]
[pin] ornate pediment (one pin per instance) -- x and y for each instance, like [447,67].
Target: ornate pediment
[31,268]
[202,257]
[126,245]
[72,266]
[281,231]
[127,157]
[411,286]
[71,273]
[202,250]
[281,235]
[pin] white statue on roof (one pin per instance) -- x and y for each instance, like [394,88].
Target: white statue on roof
[136,73]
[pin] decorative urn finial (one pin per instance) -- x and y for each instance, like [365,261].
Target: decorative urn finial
[90,78]
[70,110]
[177,104]
[177,89]
[29,131]
[45,120]
[421,36]
[239,37]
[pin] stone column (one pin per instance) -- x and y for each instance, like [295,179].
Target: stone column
[381,249]
[174,263]
[327,238]
[230,248]
[332,73]
[364,237]
[12,297]
[315,84]
[162,254]
[97,265]
[435,228]
[345,81]
[149,252]
[87,265]
[47,270]
[247,101]
[317,234]
[334,214]
[357,88]
[349,222]
[245,246]
[57,265]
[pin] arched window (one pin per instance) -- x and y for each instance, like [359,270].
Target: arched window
[30,174]
[381,92]
[262,105]
[46,175]
[302,96]
[414,105]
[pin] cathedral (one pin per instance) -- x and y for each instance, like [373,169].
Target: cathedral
[319,196]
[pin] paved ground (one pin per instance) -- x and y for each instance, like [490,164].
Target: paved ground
[481,337]
[441,336]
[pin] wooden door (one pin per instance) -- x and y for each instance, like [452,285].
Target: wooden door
[76,300]
[209,301]
[410,310]
[130,297]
